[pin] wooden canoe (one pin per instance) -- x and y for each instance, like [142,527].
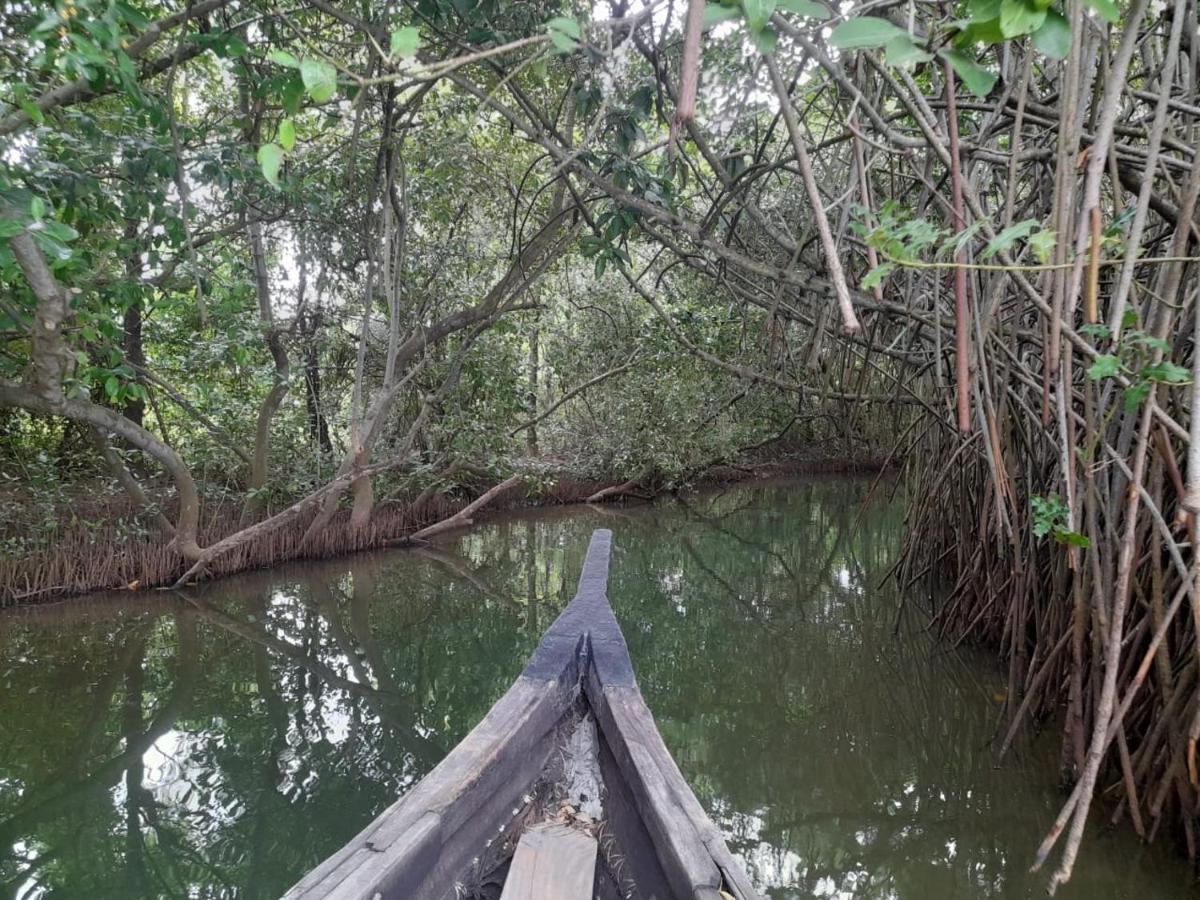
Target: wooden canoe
[454,834]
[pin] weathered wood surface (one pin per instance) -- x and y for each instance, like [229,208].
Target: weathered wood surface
[689,847]
[435,829]
[552,862]
[418,847]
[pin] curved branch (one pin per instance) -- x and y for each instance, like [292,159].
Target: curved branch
[571,394]
[102,417]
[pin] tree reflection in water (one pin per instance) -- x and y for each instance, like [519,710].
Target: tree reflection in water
[220,743]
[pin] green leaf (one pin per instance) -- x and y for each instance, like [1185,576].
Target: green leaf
[803,8]
[1167,373]
[50,246]
[564,33]
[758,13]
[983,10]
[1009,236]
[875,277]
[903,51]
[287,135]
[283,58]
[562,42]
[865,31]
[1135,394]
[1095,330]
[963,239]
[1148,340]
[1106,366]
[131,15]
[716,13]
[406,41]
[985,31]
[320,79]
[765,40]
[112,386]
[1107,10]
[292,94]
[1018,17]
[1054,37]
[270,158]
[9,228]
[31,109]
[1042,243]
[1071,538]
[569,27]
[1117,226]
[1049,514]
[60,231]
[979,81]
[37,208]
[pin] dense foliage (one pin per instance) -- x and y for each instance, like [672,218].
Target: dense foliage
[293,244]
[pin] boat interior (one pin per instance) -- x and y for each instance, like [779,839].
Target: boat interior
[564,790]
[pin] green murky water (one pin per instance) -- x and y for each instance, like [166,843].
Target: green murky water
[221,744]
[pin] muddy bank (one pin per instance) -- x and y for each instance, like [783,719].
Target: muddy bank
[83,557]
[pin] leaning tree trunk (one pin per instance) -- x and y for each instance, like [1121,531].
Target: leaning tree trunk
[43,391]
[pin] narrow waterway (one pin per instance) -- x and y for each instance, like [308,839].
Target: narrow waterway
[221,742]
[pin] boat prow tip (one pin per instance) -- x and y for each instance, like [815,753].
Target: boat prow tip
[594,578]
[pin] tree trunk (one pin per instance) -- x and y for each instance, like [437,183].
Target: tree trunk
[135,407]
[135,353]
[531,398]
[318,427]
[128,483]
[102,417]
[617,490]
[279,519]
[260,461]
[550,243]
[364,494]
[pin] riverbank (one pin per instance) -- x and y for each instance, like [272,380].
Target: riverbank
[81,555]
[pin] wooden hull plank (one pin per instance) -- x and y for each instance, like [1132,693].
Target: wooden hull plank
[637,858]
[680,848]
[453,809]
[672,814]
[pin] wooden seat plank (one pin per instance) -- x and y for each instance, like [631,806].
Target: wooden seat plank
[552,862]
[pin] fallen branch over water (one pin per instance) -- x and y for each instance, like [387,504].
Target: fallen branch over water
[286,517]
[464,516]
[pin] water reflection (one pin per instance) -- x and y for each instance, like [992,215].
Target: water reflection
[219,744]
